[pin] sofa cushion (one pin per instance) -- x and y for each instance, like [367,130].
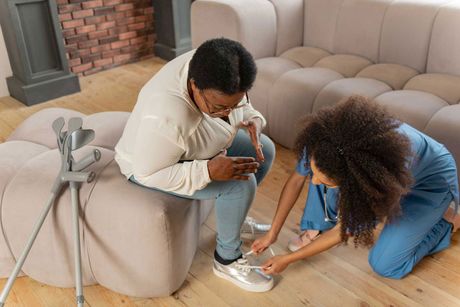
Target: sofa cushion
[305,56]
[396,76]
[444,86]
[13,155]
[413,107]
[345,64]
[340,89]
[292,97]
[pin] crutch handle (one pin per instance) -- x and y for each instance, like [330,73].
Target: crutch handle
[78,176]
[92,157]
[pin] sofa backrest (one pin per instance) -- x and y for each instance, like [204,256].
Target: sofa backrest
[358,28]
[289,24]
[421,34]
[406,32]
[444,52]
[320,23]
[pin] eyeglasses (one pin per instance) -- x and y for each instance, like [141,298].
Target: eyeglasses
[219,109]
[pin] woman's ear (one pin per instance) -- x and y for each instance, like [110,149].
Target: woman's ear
[193,85]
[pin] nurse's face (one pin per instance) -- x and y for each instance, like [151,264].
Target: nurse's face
[320,178]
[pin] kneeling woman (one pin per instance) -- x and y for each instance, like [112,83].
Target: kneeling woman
[368,171]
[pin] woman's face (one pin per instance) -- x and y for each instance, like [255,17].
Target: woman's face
[320,178]
[215,103]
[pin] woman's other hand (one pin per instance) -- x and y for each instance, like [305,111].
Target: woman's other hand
[254,128]
[222,168]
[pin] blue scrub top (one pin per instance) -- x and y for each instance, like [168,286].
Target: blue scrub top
[432,166]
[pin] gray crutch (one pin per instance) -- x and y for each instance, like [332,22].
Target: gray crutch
[71,172]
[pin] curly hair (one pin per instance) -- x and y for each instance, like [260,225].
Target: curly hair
[224,65]
[356,144]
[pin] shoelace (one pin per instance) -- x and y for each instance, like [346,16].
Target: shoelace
[242,262]
[242,265]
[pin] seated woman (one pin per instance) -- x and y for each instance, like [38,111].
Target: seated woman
[184,138]
[368,171]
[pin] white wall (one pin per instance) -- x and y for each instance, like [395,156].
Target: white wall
[5,68]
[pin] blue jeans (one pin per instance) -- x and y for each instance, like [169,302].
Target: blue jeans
[234,197]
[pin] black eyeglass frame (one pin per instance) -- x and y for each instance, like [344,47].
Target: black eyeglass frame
[222,109]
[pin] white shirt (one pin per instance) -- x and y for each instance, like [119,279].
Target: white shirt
[168,141]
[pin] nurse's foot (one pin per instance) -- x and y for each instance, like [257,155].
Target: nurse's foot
[452,218]
[303,239]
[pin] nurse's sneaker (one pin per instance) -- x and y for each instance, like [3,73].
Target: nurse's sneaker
[250,225]
[243,275]
[303,239]
[453,218]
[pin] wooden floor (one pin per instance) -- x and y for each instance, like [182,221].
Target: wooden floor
[339,277]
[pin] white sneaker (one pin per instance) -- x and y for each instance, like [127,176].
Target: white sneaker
[245,276]
[250,225]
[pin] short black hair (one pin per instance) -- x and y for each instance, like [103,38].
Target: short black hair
[224,65]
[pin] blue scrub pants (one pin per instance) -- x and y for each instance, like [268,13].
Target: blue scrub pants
[418,232]
[234,198]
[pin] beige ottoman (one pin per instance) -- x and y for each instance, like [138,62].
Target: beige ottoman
[134,240]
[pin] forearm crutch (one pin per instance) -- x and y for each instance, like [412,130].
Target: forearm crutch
[71,172]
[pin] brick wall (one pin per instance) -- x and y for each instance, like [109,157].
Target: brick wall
[101,34]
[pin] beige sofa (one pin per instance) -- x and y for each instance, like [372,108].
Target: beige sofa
[404,54]
[134,240]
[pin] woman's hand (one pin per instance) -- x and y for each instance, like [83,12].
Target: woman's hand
[254,128]
[275,265]
[224,168]
[261,244]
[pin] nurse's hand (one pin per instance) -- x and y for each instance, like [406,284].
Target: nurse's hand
[254,128]
[222,168]
[275,265]
[261,244]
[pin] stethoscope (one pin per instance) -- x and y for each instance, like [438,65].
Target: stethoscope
[327,218]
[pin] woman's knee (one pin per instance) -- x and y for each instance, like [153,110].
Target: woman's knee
[243,187]
[388,267]
[250,185]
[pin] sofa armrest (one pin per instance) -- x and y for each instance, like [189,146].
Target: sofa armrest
[252,23]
